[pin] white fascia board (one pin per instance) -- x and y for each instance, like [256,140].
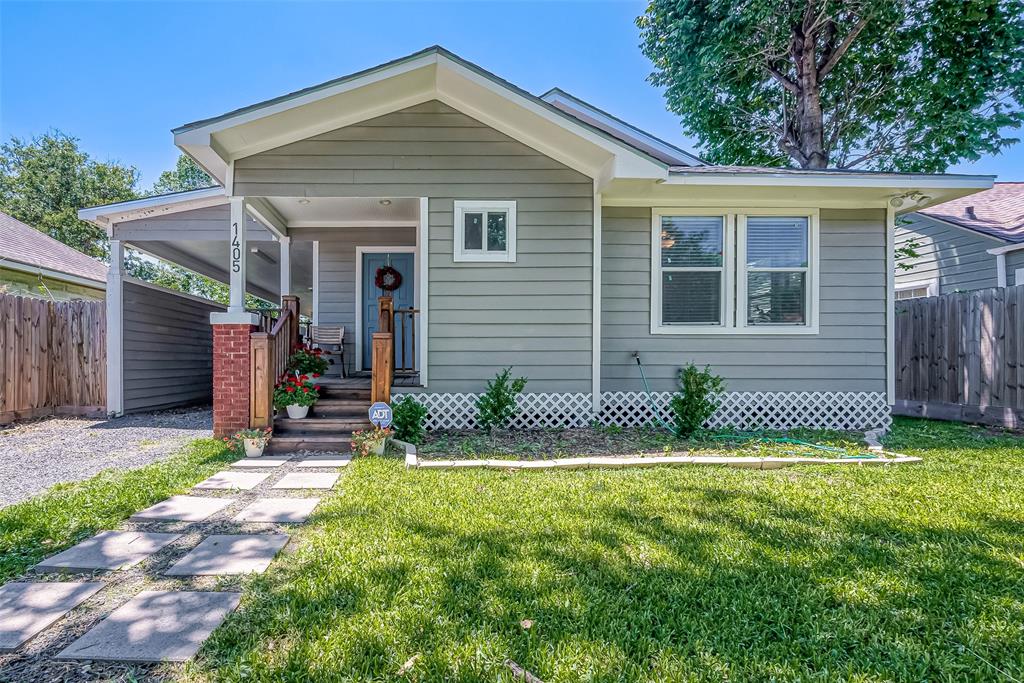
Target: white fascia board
[558,96]
[1006,249]
[630,163]
[896,182]
[264,212]
[961,228]
[105,216]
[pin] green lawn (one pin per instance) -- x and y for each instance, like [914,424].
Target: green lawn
[908,573]
[67,513]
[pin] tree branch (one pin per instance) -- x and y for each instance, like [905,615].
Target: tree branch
[786,82]
[840,50]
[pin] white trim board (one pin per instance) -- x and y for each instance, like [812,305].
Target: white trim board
[358,332]
[423,281]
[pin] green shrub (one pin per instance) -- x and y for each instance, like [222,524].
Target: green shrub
[408,416]
[697,399]
[496,408]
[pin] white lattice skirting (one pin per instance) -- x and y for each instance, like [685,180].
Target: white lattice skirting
[748,410]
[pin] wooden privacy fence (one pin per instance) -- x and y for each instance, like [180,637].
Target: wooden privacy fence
[54,358]
[961,356]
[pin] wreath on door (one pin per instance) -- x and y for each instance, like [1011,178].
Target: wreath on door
[387,279]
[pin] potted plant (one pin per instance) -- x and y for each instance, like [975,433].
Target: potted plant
[252,441]
[370,441]
[306,361]
[296,393]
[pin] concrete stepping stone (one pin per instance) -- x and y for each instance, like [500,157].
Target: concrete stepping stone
[108,550]
[233,480]
[230,554]
[155,626]
[307,480]
[281,510]
[326,461]
[28,608]
[261,462]
[183,509]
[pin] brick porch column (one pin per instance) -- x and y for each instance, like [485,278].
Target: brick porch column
[230,377]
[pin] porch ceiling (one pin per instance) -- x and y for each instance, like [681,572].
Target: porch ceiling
[320,212]
[210,258]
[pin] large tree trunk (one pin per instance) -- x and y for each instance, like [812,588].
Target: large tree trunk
[809,122]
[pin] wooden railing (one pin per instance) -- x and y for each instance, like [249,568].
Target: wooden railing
[268,360]
[405,344]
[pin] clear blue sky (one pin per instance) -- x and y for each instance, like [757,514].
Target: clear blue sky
[119,76]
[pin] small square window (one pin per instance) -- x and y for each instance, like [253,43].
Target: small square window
[485,231]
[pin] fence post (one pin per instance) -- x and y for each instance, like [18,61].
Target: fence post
[261,385]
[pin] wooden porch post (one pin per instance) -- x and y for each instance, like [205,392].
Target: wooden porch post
[261,384]
[290,303]
[383,367]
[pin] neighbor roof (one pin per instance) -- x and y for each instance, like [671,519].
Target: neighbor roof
[998,212]
[22,244]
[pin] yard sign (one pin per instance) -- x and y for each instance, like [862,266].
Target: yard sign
[380,415]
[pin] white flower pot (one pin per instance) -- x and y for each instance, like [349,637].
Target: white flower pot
[253,448]
[297,412]
[378,448]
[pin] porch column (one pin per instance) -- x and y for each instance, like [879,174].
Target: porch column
[238,251]
[115,312]
[231,344]
[286,267]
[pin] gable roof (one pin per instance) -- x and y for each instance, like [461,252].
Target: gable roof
[997,212]
[433,73]
[616,127]
[22,245]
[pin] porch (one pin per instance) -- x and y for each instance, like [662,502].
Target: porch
[311,264]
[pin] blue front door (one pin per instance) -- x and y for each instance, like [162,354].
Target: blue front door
[404,296]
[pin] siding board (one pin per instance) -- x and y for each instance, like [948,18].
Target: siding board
[847,355]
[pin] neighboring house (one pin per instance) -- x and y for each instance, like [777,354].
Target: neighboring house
[973,242]
[534,232]
[34,264]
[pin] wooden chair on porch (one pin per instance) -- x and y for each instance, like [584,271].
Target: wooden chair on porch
[321,336]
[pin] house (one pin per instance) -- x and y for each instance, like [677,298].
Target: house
[534,232]
[34,264]
[969,243]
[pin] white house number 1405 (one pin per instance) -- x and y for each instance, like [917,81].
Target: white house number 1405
[236,250]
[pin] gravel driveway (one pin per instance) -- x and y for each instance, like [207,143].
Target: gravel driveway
[37,455]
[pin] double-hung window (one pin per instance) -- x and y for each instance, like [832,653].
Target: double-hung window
[692,255]
[740,272]
[485,231]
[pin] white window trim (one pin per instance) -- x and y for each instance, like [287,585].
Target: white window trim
[728,246]
[931,285]
[735,274]
[812,300]
[461,255]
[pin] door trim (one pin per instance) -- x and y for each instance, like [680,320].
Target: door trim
[359,290]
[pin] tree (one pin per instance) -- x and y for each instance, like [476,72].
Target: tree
[187,175]
[903,85]
[45,181]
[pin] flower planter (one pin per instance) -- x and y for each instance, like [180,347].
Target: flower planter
[377,448]
[297,412]
[253,448]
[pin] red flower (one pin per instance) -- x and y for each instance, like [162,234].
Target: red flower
[305,390]
[303,378]
[289,389]
[317,387]
[315,375]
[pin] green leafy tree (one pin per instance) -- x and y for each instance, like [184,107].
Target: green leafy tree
[46,180]
[697,399]
[497,406]
[904,85]
[186,175]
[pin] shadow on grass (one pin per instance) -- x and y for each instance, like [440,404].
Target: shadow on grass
[652,575]
[67,513]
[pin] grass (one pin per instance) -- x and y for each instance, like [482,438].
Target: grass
[814,573]
[68,513]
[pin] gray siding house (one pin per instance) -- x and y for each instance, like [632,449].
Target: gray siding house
[975,242]
[540,233]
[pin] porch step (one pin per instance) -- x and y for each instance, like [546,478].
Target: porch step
[341,407]
[345,393]
[321,425]
[287,443]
